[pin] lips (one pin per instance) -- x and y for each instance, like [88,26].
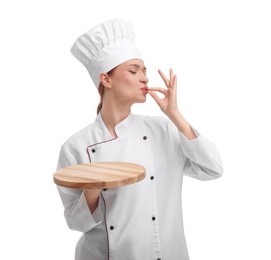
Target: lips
[145,89]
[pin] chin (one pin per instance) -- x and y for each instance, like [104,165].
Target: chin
[138,99]
[142,100]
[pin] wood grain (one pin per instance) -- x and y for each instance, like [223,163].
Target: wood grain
[99,175]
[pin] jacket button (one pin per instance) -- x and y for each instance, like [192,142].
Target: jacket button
[152,177]
[145,137]
[153,218]
[111,227]
[93,150]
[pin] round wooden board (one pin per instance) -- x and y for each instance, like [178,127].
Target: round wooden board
[99,175]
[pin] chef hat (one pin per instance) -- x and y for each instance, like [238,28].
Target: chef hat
[105,46]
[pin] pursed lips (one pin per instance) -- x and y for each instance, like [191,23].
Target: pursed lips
[144,89]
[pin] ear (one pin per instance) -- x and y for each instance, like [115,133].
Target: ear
[105,80]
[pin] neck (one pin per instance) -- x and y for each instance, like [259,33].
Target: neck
[113,114]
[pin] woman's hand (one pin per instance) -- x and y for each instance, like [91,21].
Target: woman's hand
[168,104]
[92,198]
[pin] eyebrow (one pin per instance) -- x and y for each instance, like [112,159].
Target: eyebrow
[136,65]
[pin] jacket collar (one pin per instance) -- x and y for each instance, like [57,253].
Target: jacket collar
[121,128]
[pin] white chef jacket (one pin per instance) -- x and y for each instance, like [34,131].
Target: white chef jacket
[142,221]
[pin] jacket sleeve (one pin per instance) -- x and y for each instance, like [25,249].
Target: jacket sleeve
[77,213]
[202,159]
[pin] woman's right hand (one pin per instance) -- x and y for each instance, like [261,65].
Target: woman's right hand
[92,197]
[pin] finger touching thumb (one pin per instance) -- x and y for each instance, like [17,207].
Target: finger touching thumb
[154,96]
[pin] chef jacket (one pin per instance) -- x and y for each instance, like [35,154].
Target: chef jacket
[142,221]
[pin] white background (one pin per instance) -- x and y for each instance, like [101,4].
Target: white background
[220,51]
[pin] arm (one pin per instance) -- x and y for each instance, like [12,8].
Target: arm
[79,209]
[92,197]
[202,158]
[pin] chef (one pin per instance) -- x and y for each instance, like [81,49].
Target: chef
[142,221]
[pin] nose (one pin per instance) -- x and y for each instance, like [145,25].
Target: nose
[144,79]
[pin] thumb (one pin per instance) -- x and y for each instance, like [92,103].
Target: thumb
[155,97]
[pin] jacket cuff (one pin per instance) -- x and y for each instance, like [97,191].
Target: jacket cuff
[80,218]
[203,156]
[91,220]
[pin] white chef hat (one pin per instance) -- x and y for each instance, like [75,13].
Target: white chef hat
[105,46]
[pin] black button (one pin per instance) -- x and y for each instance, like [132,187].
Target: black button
[145,137]
[111,227]
[158,258]
[93,150]
[153,218]
[152,177]
[105,189]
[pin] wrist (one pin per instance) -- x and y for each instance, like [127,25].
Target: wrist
[183,126]
[174,114]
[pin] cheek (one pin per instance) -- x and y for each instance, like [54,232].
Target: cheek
[125,86]
[122,89]
[128,80]
[126,83]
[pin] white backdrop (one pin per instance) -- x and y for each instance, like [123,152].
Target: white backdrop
[220,51]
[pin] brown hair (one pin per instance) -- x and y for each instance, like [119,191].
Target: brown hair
[101,92]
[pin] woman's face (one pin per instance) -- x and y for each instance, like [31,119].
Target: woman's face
[129,82]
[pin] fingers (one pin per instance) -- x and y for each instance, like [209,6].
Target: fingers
[171,76]
[172,81]
[163,77]
[161,90]
[155,97]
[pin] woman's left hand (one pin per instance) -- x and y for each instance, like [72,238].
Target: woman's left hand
[168,104]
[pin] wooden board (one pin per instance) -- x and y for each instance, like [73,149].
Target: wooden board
[99,175]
